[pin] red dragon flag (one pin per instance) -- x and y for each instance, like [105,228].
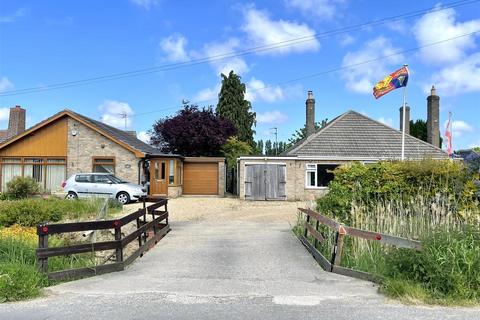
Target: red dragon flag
[391,82]
[448,134]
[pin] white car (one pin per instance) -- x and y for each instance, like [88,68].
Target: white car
[81,185]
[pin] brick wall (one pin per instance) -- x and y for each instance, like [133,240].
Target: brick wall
[88,143]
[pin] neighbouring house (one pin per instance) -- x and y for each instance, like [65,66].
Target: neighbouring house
[68,143]
[304,171]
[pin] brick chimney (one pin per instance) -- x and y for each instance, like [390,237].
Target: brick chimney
[407,119]
[433,118]
[16,121]
[310,114]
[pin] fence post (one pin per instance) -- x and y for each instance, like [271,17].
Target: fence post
[306,222]
[118,237]
[316,240]
[42,231]
[166,210]
[337,249]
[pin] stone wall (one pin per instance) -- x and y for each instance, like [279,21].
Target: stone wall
[87,144]
[221,178]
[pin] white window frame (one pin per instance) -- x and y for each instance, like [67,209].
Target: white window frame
[307,170]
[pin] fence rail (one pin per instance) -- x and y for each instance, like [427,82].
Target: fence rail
[333,264]
[158,225]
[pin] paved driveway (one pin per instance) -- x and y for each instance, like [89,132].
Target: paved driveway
[215,267]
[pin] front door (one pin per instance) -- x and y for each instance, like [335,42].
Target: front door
[158,177]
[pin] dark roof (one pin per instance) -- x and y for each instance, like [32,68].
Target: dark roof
[355,136]
[124,136]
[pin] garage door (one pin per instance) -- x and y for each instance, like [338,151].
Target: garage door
[265,181]
[200,178]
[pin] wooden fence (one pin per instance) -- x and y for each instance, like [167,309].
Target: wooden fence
[333,264]
[158,224]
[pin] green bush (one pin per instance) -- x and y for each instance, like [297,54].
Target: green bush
[31,211]
[22,187]
[448,267]
[397,181]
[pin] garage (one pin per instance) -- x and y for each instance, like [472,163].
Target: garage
[200,178]
[265,181]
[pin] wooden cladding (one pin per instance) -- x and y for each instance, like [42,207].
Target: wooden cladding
[200,178]
[48,141]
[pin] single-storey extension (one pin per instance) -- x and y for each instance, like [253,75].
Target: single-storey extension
[304,171]
[68,143]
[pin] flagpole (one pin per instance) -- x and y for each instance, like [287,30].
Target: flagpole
[403,118]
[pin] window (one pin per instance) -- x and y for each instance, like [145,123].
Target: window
[318,175]
[34,168]
[179,171]
[11,167]
[171,175]
[163,170]
[85,178]
[155,170]
[104,165]
[100,178]
[48,172]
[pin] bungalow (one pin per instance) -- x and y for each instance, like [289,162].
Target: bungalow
[68,143]
[303,171]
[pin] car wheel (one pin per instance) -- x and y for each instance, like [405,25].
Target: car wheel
[71,196]
[123,197]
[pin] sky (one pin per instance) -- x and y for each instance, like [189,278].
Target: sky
[184,46]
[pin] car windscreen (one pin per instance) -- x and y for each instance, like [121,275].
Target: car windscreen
[115,179]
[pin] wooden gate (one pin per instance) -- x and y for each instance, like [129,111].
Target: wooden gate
[265,181]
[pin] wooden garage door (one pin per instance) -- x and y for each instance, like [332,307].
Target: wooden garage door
[200,178]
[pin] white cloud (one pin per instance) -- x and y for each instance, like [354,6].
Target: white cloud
[257,90]
[5,84]
[457,79]
[438,25]
[272,117]
[146,4]
[363,77]
[459,127]
[475,144]
[325,9]
[261,30]
[4,114]
[174,48]
[112,112]
[144,136]
[14,16]
[386,121]
[347,40]
[220,49]
[207,94]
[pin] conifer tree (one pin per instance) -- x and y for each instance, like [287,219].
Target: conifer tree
[233,106]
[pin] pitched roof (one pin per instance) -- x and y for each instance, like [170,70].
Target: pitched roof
[356,136]
[124,138]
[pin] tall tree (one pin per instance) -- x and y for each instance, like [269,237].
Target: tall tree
[192,132]
[233,106]
[259,147]
[418,129]
[268,148]
[233,149]
[301,134]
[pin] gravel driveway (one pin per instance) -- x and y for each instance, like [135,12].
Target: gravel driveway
[223,259]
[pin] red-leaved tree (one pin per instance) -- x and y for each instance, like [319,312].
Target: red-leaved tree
[192,132]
